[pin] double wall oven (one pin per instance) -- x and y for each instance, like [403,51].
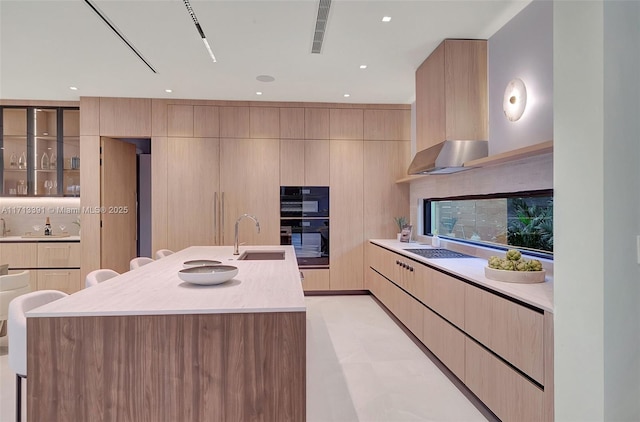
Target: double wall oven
[304,223]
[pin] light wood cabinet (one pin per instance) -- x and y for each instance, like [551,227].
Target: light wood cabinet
[124,117]
[346,123]
[264,122]
[234,122]
[509,395]
[206,121]
[316,279]
[304,163]
[65,280]
[387,125]
[316,123]
[502,350]
[451,93]
[292,123]
[385,162]
[250,183]
[59,255]
[513,331]
[180,120]
[19,255]
[347,202]
[193,187]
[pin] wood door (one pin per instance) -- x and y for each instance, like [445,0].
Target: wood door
[346,215]
[118,204]
[250,183]
[192,186]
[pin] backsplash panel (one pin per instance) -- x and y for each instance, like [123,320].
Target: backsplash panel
[21,214]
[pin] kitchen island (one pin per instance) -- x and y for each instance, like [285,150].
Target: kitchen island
[147,346]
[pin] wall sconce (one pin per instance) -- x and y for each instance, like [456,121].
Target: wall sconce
[515,99]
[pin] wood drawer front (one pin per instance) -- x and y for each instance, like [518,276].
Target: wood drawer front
[508,394]
[383,261]
[445,341]
[59,255]
[445,295]
[67,281]
[512,331]
[316,279]
[19,255]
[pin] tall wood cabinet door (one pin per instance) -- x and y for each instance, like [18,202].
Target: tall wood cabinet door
[250,183]
[346,215]
[430,100]
[384,163]
[292,163]
[316,162]
[192,186]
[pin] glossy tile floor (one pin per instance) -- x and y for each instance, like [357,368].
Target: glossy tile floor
[360,367]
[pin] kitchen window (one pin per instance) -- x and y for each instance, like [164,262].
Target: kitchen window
[522,219]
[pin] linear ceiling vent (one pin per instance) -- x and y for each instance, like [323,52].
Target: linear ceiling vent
[199,29]
[321,25]
[118,33]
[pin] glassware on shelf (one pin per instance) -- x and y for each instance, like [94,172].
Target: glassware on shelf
[44,161]
[48,184]
[22,187]
[22,161]
[13,160]
[53,161]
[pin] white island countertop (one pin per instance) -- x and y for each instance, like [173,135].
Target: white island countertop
[539,295]
[156,289]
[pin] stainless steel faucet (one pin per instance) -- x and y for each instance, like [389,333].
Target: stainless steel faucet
[235,242]
[3,227]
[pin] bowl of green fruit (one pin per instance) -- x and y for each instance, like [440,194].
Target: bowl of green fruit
[513,268]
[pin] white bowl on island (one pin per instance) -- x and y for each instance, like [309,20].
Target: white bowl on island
[525,277]
[208,274]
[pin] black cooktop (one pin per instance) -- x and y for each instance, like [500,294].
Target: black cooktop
[438,253]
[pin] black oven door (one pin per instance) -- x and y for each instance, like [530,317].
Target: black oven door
[304,201]
[310,239]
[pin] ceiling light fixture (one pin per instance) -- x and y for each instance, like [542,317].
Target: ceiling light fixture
[346,95]
[169,91]
[73,88]
[515,99]
[199,28]
[386,19]
[258,93]
[363,66]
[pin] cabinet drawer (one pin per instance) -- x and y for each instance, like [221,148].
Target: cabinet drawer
[317,279]
[19,255]
[445,341]
[512,331]
[508,394]
[58,255]
[445,295]
[67,281]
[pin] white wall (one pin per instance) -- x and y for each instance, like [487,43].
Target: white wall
[523,48]
[597,210]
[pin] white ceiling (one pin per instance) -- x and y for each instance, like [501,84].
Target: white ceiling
[48,46]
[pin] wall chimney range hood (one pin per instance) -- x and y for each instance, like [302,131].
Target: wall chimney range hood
[448,157]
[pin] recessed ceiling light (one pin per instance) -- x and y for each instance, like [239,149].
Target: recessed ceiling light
[265,78]
[386,19]
[258,93]
[347,95]
[168,90]
[363,66]
[73,88]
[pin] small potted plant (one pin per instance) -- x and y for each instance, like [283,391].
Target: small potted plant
[401,222]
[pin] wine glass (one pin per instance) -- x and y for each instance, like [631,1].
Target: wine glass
[48,185]
[62,227]
[36,228]
[55,187]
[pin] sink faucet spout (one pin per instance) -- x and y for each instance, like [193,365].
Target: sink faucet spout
[235,242]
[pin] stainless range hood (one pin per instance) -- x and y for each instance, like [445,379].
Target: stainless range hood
[448,157]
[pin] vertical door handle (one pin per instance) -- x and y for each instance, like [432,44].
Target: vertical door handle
[222,216]
[215,218]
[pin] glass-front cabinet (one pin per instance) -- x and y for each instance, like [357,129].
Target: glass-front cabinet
[39,151]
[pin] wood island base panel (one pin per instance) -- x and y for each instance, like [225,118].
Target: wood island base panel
[190,367]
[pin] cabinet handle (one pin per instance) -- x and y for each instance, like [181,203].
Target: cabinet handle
[411,269]
[215,217]
[222,216]
[397,262]
[58,247]
[58,273]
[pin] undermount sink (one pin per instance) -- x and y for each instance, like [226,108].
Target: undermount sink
[261,256]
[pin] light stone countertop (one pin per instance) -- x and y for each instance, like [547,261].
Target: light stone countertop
[9,239]
[155,289]
[539,295]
